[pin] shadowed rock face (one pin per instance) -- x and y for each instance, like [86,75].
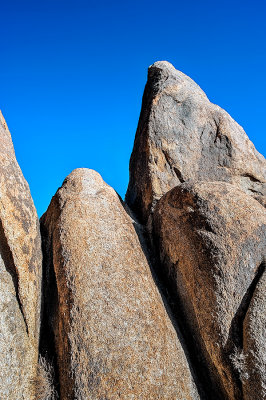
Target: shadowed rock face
[20,276]
[212,240]
[182,136]
[114,338]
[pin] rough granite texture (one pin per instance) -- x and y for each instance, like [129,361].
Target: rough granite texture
[254,343]
[211,238]
[158,298]
[113,336]
[182,136]
[20,277]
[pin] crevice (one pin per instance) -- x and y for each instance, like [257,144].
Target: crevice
[251,177]
[147,247]
[49,299]
[179,175]
[11,268]
[257,192]
[204,372]
[185,338]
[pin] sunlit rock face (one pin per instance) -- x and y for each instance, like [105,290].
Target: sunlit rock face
[182,136]
[113,336]
[20,278]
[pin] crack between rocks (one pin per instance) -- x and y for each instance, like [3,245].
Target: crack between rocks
[47,347]
[203,386]
[207,383]
[145,237]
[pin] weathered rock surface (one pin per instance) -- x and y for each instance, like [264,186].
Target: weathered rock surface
[20,277]
[211,238]
[182,136]
[112,327]
[113,336]
[254,343]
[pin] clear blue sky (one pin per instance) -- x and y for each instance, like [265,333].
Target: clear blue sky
[72,74]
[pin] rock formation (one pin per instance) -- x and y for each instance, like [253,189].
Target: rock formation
[182,136]
[20,278]
[158,298]
[113,336]
[212,244]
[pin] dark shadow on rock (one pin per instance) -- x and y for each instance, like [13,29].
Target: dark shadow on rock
[185,340]
[49,301]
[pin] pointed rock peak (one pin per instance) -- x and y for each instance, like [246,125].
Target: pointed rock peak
[182,136]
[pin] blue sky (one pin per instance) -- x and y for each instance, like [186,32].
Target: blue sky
[72,74]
